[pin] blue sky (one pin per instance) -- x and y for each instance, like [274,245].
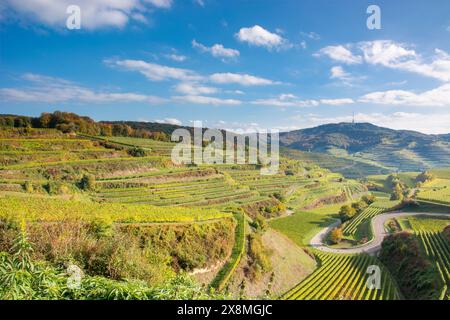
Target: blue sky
[239,65]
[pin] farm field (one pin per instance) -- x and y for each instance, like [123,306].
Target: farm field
[343,277]
[348,166]
[354,228]
[52,210]
[437,191]
[44,183]
[301,226]
[215,224]
[429,231]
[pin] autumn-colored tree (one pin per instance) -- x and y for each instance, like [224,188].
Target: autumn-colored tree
[346,212]
[397,192]
[368,198]
[336,235]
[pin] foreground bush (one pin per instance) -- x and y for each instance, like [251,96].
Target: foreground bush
[415,275]
[152,253]
[21,278]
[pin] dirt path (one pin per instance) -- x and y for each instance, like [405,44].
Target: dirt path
[378,229]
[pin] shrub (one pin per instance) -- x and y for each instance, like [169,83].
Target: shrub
[28,186]
[397,192]
[369,199]
[259,261]
[53,188]
[446,233]
[346,212]
[336,235]
[25,279]
[87,183]
[137,152]
[279,196]
[359,206]
[102,226]
[259,223]
[415,274]
[424,177]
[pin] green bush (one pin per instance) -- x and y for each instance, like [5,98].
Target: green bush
[28,186]
[137,152]
[369,199]
[415,274]
[87,182]
[222,277]
[346,212]
[336,235]
[25,279]
[259,257]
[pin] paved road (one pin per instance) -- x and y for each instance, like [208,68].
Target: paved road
[378,229]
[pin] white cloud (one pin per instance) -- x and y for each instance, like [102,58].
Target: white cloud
[95,13]
[277,102]
[258,36]
[53,90]
[311,35]
[160,3]
[155,72]
[341,54]
[438,97]
[217,50]
[170,121]
[397,56]
[194,89]
[176,57]
[242,79]
[238,127]
[337,102]
[392,55]
[338,72]
[240,92]
[287,96]
[385,52]
[290,100]
[197,99]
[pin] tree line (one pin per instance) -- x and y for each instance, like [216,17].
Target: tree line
[68,122]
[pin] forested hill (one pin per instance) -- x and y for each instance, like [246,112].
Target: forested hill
[167,128]
[400,149]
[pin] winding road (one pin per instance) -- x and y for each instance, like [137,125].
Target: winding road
[378,229]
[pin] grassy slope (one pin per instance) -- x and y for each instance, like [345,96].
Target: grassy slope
[56,209]
[290,265]
[347,165]
[425,223]
[301,226]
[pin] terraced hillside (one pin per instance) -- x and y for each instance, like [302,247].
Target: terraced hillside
[364,143]
[349,166]
[111,193]
[362,220]
[435,243]
[436,191]
[114,187]
[343,277]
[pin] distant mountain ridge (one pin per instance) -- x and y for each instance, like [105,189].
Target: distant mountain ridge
[399,149]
